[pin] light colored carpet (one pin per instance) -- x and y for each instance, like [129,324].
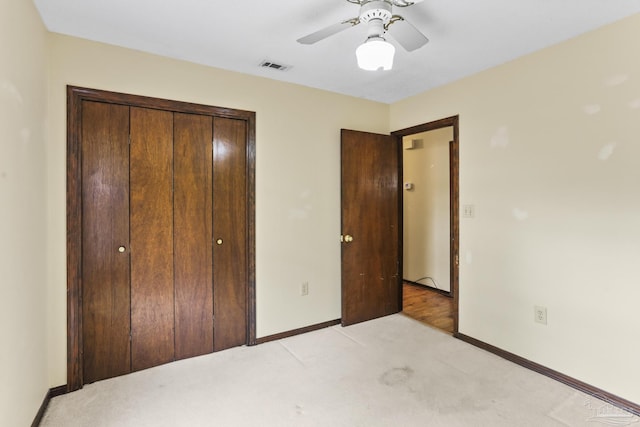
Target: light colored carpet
[392,371]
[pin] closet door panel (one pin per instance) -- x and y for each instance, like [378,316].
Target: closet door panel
[229,233]
[105,228]
[192,234]
[151,216]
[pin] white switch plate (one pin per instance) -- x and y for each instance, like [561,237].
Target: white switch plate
[468,211]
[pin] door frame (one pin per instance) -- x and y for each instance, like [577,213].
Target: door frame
[75,97]
[454,196]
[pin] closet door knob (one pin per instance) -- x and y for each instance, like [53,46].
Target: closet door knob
[219,241]
[121,249]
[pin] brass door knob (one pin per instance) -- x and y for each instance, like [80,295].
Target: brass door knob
[219,241]
[348,238]
[121,249]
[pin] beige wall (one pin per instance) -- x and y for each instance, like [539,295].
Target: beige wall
[23,80]
[298,187]
[549,156]
[426,218]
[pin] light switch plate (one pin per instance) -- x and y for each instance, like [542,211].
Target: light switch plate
[468,211]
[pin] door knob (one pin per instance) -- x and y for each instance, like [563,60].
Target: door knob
[348,238]
[121,249]
[219,241]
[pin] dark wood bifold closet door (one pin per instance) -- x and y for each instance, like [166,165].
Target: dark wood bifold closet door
[164,254]
[152,333]
[192,234]
[230,233]
[105,241]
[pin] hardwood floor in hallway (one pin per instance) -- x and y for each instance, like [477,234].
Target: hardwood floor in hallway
[428,306]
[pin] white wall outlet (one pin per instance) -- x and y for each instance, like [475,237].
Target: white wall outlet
[540,314]
[304,289]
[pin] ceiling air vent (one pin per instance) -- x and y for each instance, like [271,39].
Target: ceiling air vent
[274,66]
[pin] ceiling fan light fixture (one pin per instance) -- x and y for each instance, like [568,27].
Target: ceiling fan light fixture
[375,53]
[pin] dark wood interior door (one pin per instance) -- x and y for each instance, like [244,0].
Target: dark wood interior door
[105,241]
[193,218]
[230,233]
[151,216]
[371,275]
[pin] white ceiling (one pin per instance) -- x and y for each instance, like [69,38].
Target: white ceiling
[466,36]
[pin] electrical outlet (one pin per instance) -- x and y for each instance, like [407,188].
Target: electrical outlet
[540,314]
[304,289]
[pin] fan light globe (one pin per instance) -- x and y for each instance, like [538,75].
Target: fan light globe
[375,53]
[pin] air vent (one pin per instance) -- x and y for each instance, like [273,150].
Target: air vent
[274,66]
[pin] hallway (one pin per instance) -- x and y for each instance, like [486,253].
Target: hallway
[428,306]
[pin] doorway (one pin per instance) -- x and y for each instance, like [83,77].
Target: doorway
[426,205]
[430,222]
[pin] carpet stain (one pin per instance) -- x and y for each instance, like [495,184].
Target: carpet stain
[396,376]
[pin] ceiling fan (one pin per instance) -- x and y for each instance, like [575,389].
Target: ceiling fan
[376,52]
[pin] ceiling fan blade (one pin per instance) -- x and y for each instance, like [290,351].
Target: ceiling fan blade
[406,34]
[404,3]
[328,31]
